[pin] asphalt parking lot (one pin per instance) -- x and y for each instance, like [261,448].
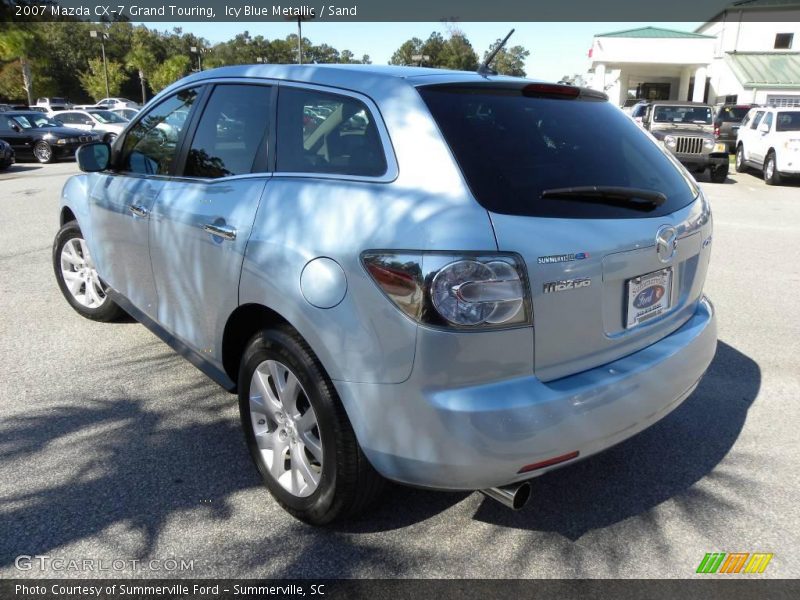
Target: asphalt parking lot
[114,447]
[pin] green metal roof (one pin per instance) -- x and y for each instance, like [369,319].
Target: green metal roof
[766,69]
[653,32]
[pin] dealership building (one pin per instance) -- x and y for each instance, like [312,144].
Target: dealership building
[749,53]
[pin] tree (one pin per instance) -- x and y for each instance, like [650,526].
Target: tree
[509,61]
[458,54]
[402,56]
[169,72]
[94,82]
[20,45]
[141,60]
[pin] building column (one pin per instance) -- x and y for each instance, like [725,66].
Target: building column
[624,82]
[683,86]
[699,84]
[599,80]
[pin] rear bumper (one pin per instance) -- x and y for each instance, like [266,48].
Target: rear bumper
[480,436]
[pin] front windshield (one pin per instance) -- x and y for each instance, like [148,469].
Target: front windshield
[33,120]
[788,121]
[698,115]
[106,116]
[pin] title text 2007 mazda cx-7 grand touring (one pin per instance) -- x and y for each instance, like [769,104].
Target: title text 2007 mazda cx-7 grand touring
[451,280]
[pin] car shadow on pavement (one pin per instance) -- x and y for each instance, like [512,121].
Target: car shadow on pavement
[658,464]
[103,464]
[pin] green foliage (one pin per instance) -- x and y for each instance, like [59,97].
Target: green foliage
[509,61]
[94,82]
[169,72]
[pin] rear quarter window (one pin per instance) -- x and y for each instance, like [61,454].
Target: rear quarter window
[512,147]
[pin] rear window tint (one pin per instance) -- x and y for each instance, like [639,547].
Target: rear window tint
[512,147]
[732,114]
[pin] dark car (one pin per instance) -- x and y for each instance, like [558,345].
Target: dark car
[727,119]
[686,129]
[7,155]
[35,135]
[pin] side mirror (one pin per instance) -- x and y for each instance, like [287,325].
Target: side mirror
[15,127]
[763,128]
[93,157]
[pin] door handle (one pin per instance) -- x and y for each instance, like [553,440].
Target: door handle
[223,231]
[138,210]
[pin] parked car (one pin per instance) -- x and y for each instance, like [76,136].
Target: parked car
[35,135]
[125,113]
[769,140]
[727,118]
[104,123]
[53,104]
[638,111]
[396,300]
[7,155]
[687,130]
[629,103]
[117,103]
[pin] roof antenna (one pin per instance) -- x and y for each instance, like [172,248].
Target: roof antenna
[484,68]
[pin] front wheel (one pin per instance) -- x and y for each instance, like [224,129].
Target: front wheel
[298,433]
[771,175]
[78,279]
[719,173]
[43,152]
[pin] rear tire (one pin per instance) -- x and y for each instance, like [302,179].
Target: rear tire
[78,279]
[739,163]
[298,432]
[771,175]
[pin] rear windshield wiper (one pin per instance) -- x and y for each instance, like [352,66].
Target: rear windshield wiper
[638,198]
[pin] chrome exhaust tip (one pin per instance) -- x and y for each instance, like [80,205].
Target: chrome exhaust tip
[514,496]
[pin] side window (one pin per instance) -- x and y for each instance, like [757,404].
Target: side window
[66,118]
[319,132]
[230,132]
[768,120]
[757,119]
[151,145]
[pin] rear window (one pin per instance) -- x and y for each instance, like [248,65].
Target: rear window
[511,148]
[732,114]
[788,121]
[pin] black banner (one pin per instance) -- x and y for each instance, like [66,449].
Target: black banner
[398,10]
[736,587]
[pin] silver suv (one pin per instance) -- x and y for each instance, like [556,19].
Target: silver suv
[446,279]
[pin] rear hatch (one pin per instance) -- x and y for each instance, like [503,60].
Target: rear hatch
[581,193]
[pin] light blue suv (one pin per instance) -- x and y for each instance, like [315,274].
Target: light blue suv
[451,280]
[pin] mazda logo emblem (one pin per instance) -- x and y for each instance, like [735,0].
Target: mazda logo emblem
[666,243]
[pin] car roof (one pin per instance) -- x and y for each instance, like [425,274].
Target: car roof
[355,77]
[677,103]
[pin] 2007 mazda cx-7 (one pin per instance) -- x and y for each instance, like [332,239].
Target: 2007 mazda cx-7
[451,280]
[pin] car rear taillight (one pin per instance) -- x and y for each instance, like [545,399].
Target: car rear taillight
[716,131]
[465,291]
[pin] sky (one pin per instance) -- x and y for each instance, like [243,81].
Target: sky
[557,49]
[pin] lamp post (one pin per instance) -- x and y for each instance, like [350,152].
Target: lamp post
[103,37]
[300,20]
[199,50]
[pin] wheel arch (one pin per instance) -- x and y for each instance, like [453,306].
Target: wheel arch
[242,324]
[66,216]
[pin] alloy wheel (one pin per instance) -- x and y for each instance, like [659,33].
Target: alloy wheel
[42,152]
[80,274]
[286,429]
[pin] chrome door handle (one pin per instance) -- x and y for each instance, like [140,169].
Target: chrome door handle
[138,210]
[223,231]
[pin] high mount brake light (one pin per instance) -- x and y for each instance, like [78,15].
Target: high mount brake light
[551,90]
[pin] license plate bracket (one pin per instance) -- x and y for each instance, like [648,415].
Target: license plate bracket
[647,296]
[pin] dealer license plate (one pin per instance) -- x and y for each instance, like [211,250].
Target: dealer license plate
[648,296]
